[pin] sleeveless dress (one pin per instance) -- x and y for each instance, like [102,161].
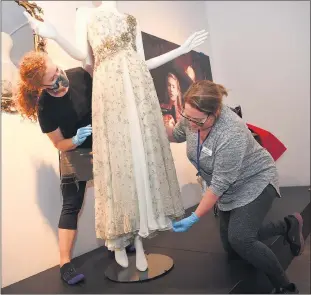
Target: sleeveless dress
[135,183]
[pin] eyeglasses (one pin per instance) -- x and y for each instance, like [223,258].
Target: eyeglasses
[199,123]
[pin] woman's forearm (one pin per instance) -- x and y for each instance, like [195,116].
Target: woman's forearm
[65,145]
[208,201]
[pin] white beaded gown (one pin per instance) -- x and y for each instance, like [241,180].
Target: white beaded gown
[135,183]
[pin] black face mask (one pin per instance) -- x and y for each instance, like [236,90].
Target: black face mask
[61,82]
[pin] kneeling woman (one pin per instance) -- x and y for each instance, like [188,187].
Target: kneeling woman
[240,176]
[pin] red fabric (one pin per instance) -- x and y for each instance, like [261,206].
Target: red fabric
[269,142]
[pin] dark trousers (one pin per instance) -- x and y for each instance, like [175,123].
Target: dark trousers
[73,196]
[241,231]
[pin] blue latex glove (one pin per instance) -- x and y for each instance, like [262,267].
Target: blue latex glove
[184,224]
[82,134]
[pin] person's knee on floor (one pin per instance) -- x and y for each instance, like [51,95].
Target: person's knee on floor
[246,246]
[242,248]
[240,242]
[231,253]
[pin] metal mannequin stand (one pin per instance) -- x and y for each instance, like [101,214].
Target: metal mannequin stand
[158,265]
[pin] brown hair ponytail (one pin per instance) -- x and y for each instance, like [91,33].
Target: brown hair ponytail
[206,96]
[223,91]
[32,70]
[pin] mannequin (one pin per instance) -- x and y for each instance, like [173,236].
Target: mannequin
[9,71]
[82,51]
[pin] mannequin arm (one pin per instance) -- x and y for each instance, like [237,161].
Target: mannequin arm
[158,61]
[47,30]
[80,51]
[192,42]
[88,63]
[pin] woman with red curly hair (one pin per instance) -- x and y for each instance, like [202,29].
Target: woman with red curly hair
[62,103]
[64,114]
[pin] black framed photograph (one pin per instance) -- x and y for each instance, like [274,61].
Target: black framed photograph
[174,78]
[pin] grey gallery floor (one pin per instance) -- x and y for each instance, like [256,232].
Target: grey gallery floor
[200,263]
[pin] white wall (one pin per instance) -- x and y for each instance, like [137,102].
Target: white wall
[260,50]
[15,24]
[31,200]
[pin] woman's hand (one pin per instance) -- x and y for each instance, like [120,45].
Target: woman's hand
[81,135]
[169,127]
[194,41]
[69,144]
[44,29]
[47,30]
[185,224]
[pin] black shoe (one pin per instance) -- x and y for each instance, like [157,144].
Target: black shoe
[70,275]
[290,289]
[294,233]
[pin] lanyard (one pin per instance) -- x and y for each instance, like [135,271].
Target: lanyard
[199,150]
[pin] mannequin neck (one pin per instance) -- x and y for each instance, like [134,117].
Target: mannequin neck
[108,5]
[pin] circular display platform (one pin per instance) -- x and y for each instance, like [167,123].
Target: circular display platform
[158,265]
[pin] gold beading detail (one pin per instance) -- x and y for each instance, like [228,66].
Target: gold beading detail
[113,45]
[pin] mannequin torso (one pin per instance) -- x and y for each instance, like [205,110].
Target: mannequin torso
[84,16]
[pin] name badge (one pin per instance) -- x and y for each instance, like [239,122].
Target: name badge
[206,151]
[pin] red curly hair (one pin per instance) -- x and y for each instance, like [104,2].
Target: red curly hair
[32,70]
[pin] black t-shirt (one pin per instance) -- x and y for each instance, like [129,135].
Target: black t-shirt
[70,112]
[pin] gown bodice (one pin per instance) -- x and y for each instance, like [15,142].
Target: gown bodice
[110,33]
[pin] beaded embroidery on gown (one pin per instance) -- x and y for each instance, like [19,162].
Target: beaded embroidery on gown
[135,183]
